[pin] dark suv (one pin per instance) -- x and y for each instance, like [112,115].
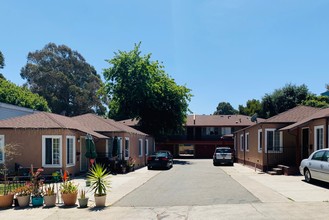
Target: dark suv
[223,155]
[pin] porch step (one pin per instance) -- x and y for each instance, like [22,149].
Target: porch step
[276,171]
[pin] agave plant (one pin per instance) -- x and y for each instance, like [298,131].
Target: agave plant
[98,177]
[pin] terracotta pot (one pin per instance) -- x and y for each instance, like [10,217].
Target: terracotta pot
[50,201]
[69,199]
[23,201]
[6,200]
[100,201]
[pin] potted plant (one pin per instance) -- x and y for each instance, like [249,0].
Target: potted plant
[98,177]
[23,194]
[69,191]
[131,164]
[36,182]
[49,196]
[83,200]
[6,195]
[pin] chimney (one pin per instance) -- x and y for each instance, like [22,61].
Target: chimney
[194,118]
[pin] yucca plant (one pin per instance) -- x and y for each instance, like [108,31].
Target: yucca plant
[98,177]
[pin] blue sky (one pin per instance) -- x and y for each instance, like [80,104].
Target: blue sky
[224,50]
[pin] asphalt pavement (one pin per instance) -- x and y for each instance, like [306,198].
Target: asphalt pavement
[282,197]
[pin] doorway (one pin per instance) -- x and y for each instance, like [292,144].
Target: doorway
[305,142]
[83,159]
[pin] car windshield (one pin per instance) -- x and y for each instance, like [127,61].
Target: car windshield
[224,150]
[161,154]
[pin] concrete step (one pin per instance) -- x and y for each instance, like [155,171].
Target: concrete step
[278,170]
[272,172]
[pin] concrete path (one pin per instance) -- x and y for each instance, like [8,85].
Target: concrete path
[283,197]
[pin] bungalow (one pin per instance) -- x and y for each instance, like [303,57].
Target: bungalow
[267,144]
[131,142]
[57,142]
[45,140]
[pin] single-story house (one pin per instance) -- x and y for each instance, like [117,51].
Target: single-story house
[131,142]
[267,144]
[47,140]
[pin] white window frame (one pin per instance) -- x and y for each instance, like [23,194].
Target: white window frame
[44,137]
[140,147]
[260,140]
[246,139]
[146,147]
[316,144]
[241,142]
[280,141]
[127,148]
[2,148]
[73,151]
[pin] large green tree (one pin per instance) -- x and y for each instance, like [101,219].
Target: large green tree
[252,107]
[284,99]
[64,78]
[225,108]
[21,96]
[139,88]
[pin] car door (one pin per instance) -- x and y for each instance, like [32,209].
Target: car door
[314,165]
[324,166]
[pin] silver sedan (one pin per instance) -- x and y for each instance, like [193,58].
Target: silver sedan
[316,166]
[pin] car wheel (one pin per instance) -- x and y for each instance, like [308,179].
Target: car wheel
[149,167]
[307,175]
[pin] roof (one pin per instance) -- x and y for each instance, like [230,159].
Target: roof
[322,113]
[220,120]
[130,122]
[46,120]
[100,124]
[293,115]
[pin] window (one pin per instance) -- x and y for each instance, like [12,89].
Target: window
[126,148]
[51,151]
[318,155]
[70,150]
[273,140]
[226,130]
[146,147]
[247,142]
[318,137]
[109,147]
[140,147]
[241,142]
[260,140]
[2,149]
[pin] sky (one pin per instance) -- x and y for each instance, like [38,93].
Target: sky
[223,50]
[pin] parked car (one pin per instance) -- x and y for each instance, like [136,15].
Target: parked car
[223,155]
[160,159]
[316,166]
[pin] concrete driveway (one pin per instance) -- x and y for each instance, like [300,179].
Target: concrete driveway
[282,197]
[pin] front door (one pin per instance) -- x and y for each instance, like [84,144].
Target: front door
[83,159]
[305,142]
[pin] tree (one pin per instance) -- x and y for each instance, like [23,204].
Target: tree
[140,89]
[317,101]
[2,64]
[284,99]
[252,107]
[65,80]
[225,108]
[21,96]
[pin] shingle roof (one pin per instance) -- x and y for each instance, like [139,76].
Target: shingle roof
[100,124]
[293,115]
[322,113]
[45,120]
[219,120]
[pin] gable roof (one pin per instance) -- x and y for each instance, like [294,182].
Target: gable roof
[293,115]
[46,120]
[219,120]
[100,124]
[322,113]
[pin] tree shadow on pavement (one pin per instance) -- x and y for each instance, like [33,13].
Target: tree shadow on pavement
[182,162]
